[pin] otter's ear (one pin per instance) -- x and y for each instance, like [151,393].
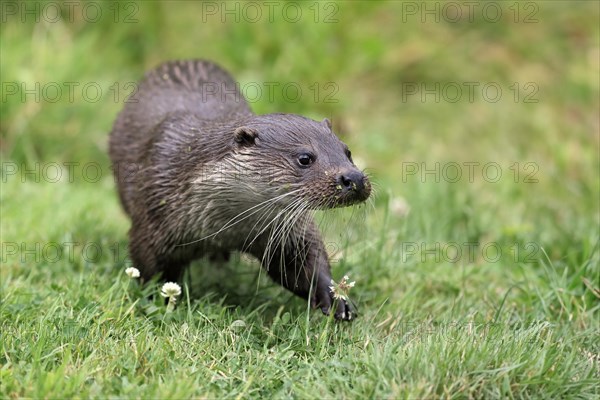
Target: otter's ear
[245,136]
[326,123]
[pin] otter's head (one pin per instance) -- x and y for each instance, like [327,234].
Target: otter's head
[299,155]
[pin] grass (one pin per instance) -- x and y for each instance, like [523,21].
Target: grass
[485,289]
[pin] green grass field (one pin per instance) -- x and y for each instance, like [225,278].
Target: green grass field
[476,262]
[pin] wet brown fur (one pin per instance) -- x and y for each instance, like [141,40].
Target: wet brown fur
[200,174]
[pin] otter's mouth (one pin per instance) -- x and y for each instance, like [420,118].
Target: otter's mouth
[345,190]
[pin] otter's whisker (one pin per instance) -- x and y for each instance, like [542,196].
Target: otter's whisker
[292,214]
[236,220]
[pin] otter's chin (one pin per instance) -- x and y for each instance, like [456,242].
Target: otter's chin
[342,199]
[352,200]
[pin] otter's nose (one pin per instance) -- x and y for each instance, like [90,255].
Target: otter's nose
[352,181]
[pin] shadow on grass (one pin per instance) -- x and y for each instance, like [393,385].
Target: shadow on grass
[239,284]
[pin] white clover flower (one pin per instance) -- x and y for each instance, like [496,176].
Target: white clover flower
[340,290]
[170,290]
[399,207]
[132,272]
[345,282]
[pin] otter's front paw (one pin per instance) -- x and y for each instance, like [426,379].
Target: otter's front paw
[323,298]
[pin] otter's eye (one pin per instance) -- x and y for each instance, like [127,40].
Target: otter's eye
[305,159]
[349,155]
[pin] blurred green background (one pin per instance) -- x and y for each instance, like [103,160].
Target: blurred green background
[387,75]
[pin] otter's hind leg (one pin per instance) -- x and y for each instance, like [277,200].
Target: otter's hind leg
[150,263]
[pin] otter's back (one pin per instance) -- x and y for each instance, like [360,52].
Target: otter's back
[198,87]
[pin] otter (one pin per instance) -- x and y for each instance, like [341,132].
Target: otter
[200,174]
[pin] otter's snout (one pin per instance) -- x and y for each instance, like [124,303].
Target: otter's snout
[355,185]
